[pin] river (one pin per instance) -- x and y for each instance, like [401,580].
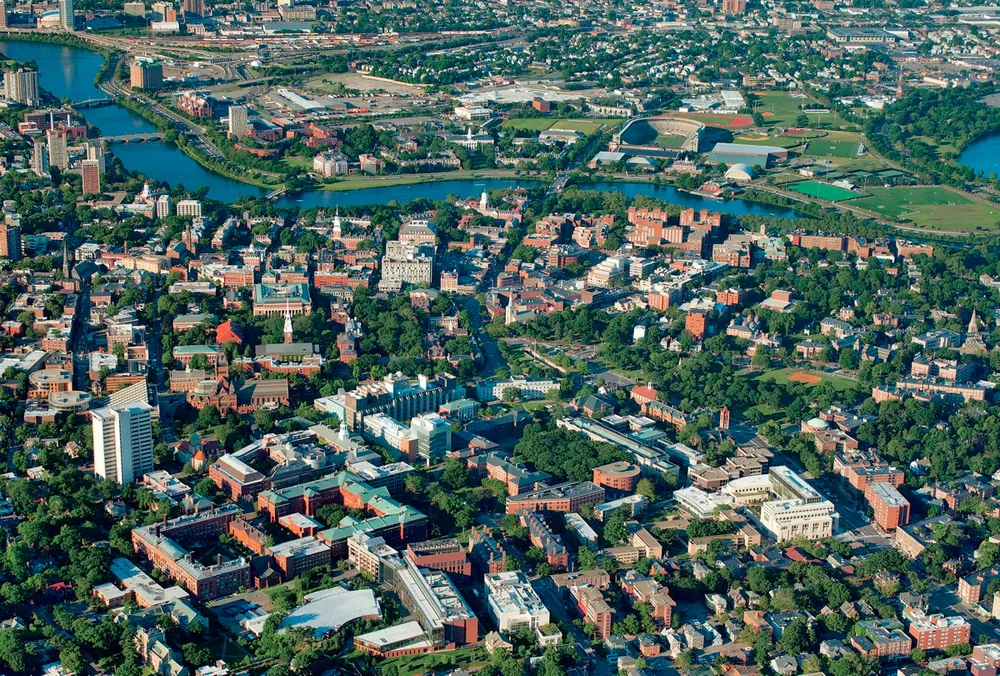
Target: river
[983,155]
[69,72]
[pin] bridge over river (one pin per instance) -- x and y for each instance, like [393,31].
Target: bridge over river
[133,138]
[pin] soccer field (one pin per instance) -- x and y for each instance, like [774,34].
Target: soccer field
[823,191]
[932,207]
[825,148]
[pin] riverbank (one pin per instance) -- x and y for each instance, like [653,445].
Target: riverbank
[166,127]
[366,182]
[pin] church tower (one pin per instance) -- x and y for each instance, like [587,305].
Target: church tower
[288,324]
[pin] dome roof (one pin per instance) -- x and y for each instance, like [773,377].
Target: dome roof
[818,423]
[740,168]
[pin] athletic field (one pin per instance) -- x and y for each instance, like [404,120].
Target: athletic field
[826,148]
[823,191]
[932,207]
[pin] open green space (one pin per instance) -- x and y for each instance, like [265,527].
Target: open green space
[932,207]
[823,191]
[669,140]
[808,377]
[543,123]
[781,109]
[831,148]
[465,656]
[764,140]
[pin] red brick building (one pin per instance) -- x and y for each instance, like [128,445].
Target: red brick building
[618,476]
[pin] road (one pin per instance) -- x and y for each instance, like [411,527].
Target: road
[945,599]
[492,359]
[81,335]
[558,609]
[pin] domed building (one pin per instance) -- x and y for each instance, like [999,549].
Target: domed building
[740,172]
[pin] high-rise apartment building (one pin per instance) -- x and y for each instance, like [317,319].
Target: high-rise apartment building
[10,242]
[123,442]
[95,151]
[164,206]
[40,158]
[58,152]
[91,171]
[135,8]
[3,14]
[239,125]
[67,18]
[146,74]
[21,86]
[194,7]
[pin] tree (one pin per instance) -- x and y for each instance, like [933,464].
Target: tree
[510,394]
[455,474]
[801,120]
[196,655]
[208,417]
[12,651]
[614,527]
[796,638]
[646,487]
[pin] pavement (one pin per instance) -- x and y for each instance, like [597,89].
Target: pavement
[945,599]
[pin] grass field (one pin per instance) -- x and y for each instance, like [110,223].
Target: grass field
[831,148]
[932,207]
[780,109]
[823,191]
[806,377]
[762,140]
[543,123]
[669,140]
[432,662]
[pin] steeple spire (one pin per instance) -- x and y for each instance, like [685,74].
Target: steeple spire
[288,323]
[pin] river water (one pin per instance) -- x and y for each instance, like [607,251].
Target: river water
[983,155]
[68,72]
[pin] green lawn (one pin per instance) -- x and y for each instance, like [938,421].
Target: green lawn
[543,123]
[465,656]
[781,108]
[762,140]
[831,148]
[823,191]
[529,123]
[783,377]
[932,207]
[669,140]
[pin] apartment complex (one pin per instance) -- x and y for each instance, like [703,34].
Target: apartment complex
[123,442]
[166,545]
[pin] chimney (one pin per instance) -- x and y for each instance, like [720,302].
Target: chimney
[218,559]
[164,520]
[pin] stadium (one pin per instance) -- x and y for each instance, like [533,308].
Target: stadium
[658,137]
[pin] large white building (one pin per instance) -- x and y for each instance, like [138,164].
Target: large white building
[528,388]
[433,436]
[67,16]
[123,442]
[21,86]
[790,519]
[406,263]
[513,603]
[239,124]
